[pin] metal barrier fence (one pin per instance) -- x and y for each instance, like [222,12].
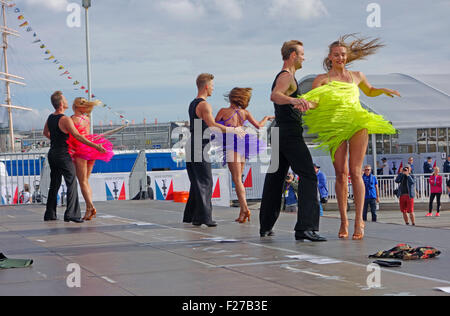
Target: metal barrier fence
[387,185]
[18,171]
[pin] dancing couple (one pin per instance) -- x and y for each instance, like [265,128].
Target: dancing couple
[334,113]
[73,152]
[228,132]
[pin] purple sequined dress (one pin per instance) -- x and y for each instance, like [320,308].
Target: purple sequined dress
[248,146]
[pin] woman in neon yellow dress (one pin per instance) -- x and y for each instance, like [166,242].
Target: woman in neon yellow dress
[342,124]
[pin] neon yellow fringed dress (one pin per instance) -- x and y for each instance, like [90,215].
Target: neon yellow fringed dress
[339,115]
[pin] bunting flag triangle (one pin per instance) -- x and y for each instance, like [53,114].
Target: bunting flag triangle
[434,166]
[16,196]
[170,193]
[109,196]
[122,196]
[216,193]
[36,41]
[249,181]
[50,58]
[42,46]
[400,169]
[159,195]
[20,17]
[23,24]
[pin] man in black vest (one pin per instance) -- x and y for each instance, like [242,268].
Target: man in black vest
[57,129]
[198,209]
[292,152]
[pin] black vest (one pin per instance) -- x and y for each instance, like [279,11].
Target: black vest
[58,139]
[196,136]
[286,114]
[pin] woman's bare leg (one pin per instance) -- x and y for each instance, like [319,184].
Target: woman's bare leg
[236,168]
[81,167]
[357,149]
[90,167]
[341,170]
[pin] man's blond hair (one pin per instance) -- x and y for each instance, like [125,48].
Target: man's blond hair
[289,47]
[203,80]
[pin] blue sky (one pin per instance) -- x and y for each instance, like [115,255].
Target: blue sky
[146,54]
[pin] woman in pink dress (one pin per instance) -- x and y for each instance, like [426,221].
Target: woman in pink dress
[83,156]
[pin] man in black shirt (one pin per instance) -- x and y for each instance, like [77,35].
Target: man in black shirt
[198,210]
[292,152]
[57,129]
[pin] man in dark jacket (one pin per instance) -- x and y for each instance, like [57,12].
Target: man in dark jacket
[427,166]
[446,168]
[406,192]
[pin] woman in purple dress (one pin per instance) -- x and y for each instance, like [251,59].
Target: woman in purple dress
[237,150]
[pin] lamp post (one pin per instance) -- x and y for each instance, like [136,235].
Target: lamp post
[86,6]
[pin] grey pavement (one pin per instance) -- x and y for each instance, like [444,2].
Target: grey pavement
[142,248]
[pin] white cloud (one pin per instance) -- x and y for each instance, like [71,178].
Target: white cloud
[303,9]
[55,5]
[27,120]
[182,9]
[230,8]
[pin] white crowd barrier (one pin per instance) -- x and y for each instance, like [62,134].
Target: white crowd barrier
[16,170]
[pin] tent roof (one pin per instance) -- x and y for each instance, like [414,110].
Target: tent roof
[421,105]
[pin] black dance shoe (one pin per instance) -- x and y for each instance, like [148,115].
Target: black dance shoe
[309,235]
[212,224]
[266,233]
[75,220]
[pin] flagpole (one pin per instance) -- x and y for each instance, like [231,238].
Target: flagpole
[8,88]
[87,5]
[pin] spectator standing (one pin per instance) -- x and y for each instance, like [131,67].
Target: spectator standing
[436,191]
[448,187]
[406,193]
[385,165]
[372,193]
[411,163]
[322,187]
[25,195]
[427,166]
[290,199]
[446,168]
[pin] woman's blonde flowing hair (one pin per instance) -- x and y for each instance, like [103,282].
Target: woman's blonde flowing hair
[85,104]
[358,48]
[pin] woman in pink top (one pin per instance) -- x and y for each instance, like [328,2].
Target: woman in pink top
[436,191]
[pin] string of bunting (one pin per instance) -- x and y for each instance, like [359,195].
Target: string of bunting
[25,24]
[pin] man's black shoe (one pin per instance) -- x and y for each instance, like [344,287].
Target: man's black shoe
[309,235]
[50,219]
[267,233]
[212,224]
[75,220]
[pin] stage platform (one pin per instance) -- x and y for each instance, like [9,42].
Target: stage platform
[142,248]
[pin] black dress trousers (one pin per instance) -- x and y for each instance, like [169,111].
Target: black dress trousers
[61,165]
[293,153]
[199,206]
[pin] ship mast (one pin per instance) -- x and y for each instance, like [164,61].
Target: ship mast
[7,77]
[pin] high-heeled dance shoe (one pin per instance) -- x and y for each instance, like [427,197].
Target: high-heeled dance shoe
[243,217]
[360,235]
[343,231]
[90,214]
